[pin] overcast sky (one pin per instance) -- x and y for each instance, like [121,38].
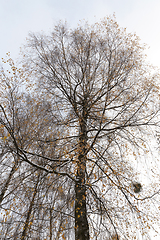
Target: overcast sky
[18,17]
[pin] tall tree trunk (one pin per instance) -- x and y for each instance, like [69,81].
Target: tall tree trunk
[50,220]
[26,225]
[4,189]
[81,222]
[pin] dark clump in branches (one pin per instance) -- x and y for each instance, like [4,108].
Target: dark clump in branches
[137,187]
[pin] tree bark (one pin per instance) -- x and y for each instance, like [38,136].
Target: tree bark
[26,225]
[50,220]
[81,222]
[4,189]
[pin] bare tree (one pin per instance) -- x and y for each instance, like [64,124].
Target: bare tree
[90,106]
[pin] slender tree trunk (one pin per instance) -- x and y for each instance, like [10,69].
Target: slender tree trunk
[26,225]
[7,182]
[81,222]
[50,230]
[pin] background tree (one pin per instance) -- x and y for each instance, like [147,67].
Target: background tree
[88,112]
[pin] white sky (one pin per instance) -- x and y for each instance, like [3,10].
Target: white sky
[18,17]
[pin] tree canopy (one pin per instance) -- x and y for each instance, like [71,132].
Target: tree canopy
[74,119]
